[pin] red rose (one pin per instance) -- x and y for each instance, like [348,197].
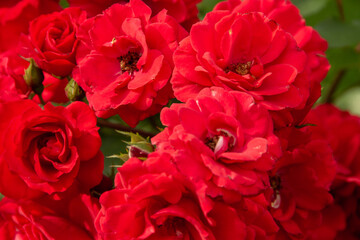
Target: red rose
[15,16]
[153,201]
[82,210]
[20,219]
[242,52]
[301,182]
[222,138]
[184,11]
[333,221]
[14,87]
[130,62]
[52,41]
[342,131]
[288,17]
[46,151]
[93,7]
[12,83]
[148,204]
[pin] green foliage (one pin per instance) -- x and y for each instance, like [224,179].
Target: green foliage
[206,6]
[310,7]
[64,3]
[112,144]
[115,145]
[339,34]
[338,21]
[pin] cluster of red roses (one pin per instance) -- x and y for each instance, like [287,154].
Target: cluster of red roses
[243,157]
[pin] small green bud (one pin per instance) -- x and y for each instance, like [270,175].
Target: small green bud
[73,91]
[34,77]
[138,146]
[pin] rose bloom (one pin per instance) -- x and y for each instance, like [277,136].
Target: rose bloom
[52,41]
[15,16]
[333,222]
[284,13]
[152,200]
[184,11]
[12,83]
[288,17]
[222,138]
[48,150]
[342,131]
[147,204]
[13,86]
[25,219]
[244,52]
[125,65]
[300,182]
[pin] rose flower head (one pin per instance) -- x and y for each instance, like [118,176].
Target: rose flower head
[127,62]
[46,151]
[52,41]
[222,138]
[152,200]
[184,11]
[243,52]
[14,87]
[342,131]
[287,15]
[44,218]
[15,16]
[149,202]
[300,183]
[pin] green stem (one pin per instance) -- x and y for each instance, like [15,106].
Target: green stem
[41,99]
[340,7]
[339,76]
[104,123]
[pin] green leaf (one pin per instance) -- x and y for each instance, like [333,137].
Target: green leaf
[310,7]
[351,10]
[206,6]
[112,144]
[339,34]
[64,3]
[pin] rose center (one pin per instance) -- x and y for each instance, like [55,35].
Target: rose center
[211,142]
[275,182]
[43,141]
[239,68]
[173,226]
[223,142]
[128,62]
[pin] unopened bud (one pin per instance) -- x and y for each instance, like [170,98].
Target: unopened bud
[138,146]
[73,91]
[135,151]
[34,77]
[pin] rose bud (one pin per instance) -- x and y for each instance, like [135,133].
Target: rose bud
[73,91]
[34,77]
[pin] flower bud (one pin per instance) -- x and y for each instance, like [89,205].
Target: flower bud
[73,91]
[138,146]
[34,77]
